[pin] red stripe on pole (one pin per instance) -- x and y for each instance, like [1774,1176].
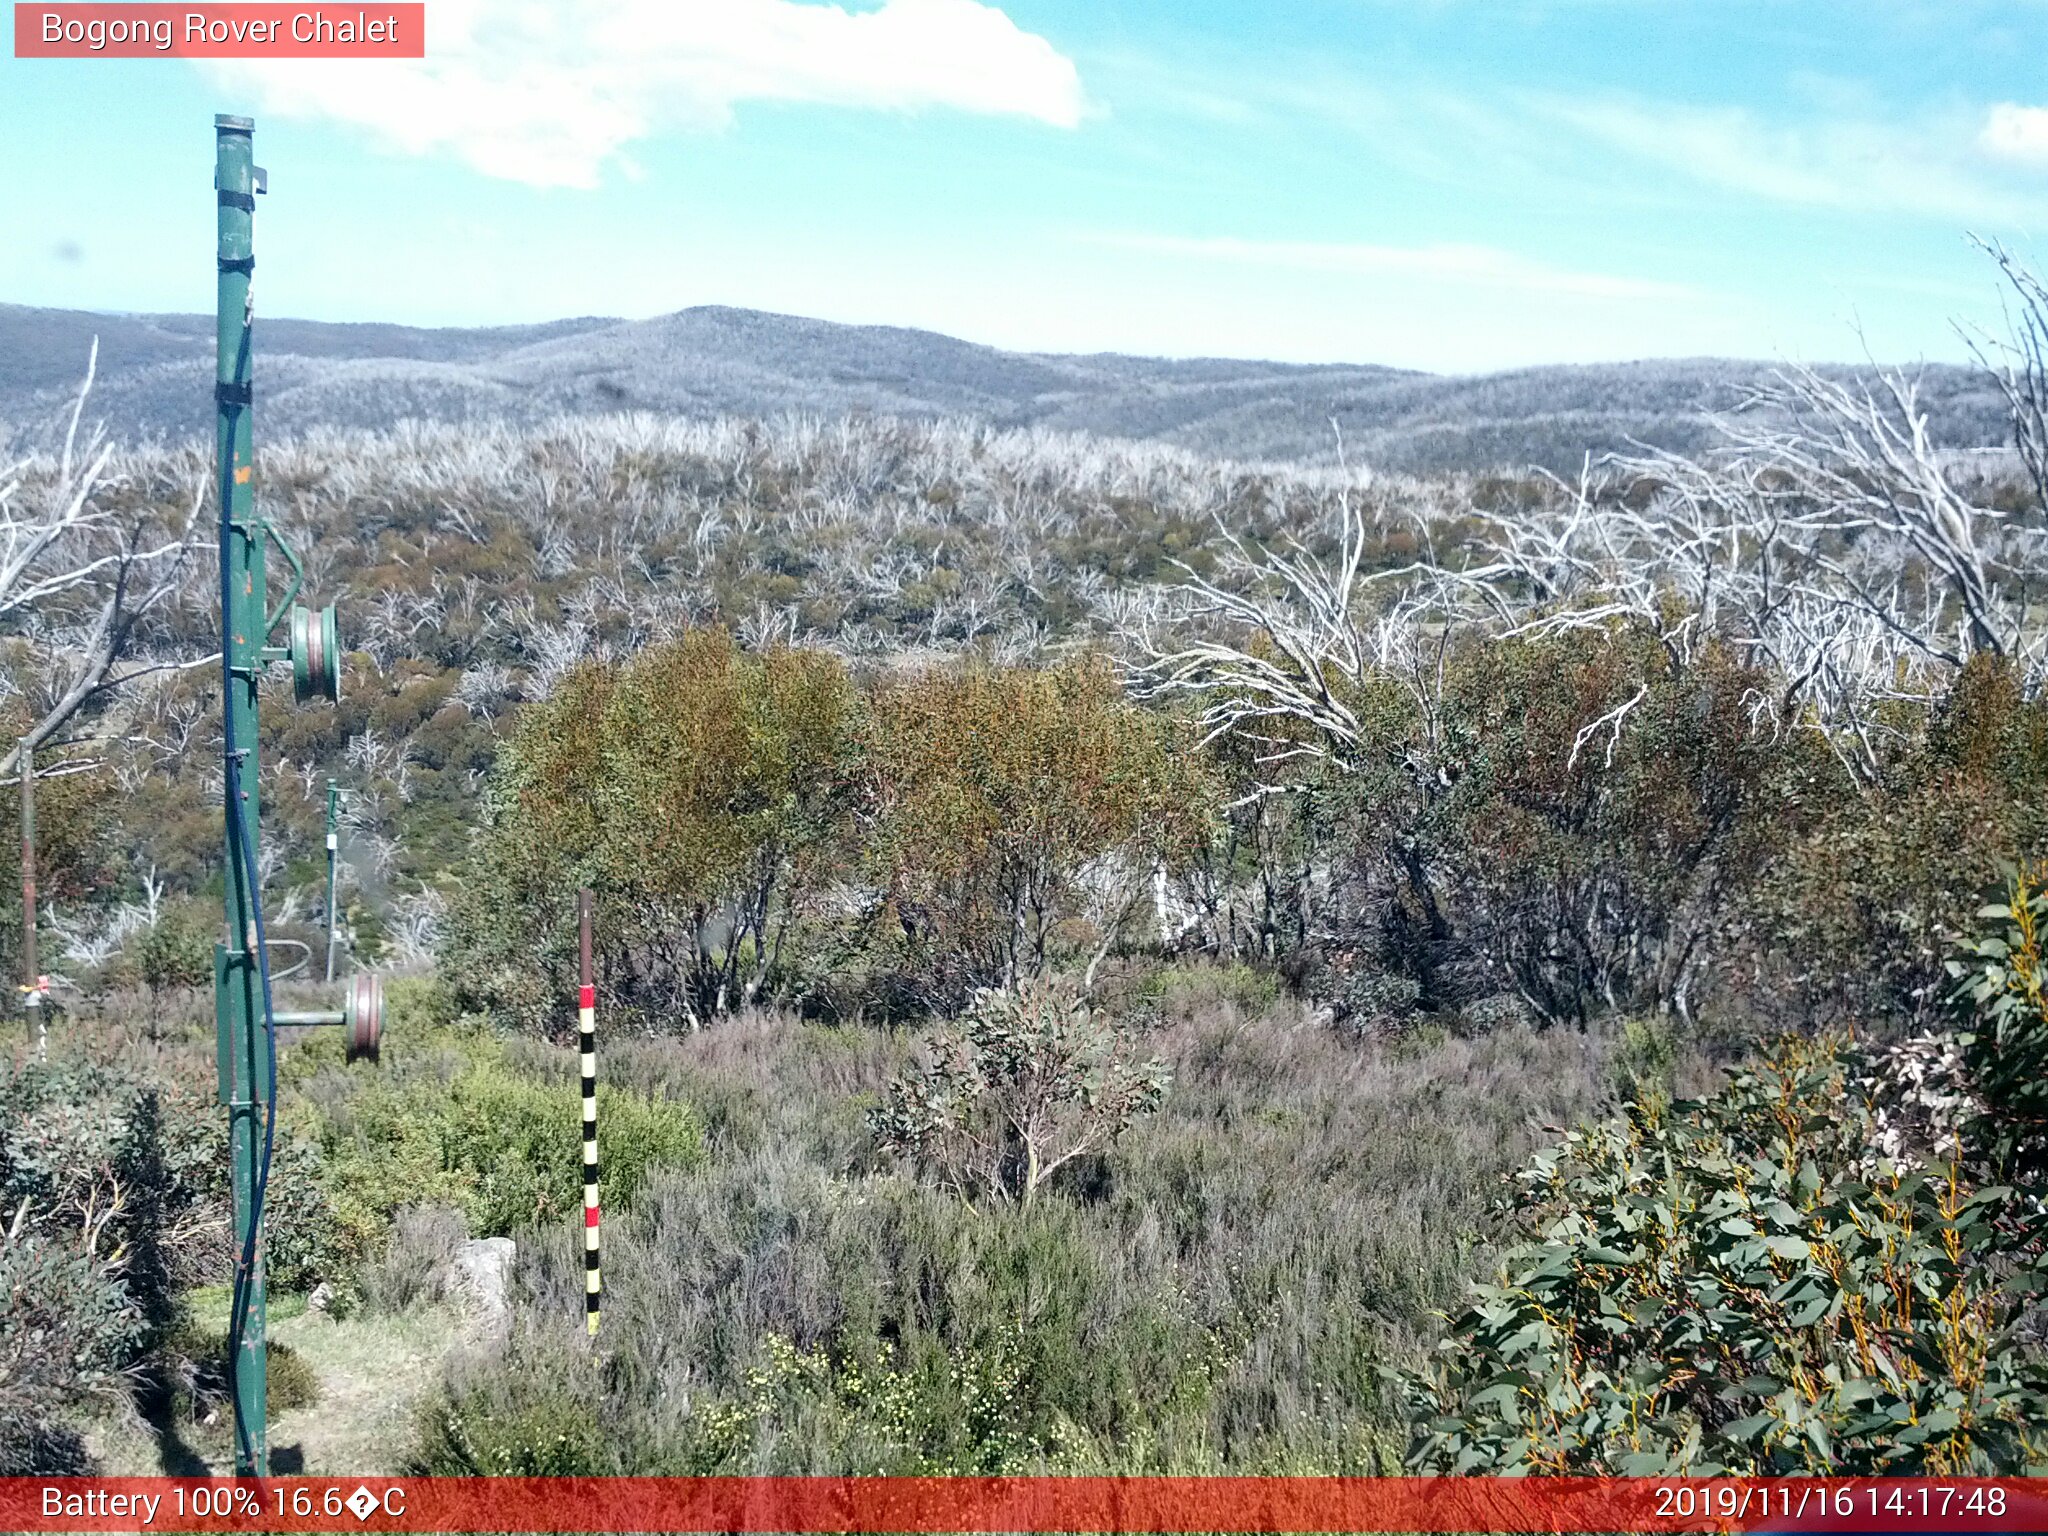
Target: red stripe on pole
[586,997]
[590,1216]
[1053,1504]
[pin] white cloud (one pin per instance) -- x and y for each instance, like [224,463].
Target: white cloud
[1929,167]
[2013,132]
[550,91]
[1477,266]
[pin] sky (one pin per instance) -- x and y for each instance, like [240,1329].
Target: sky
[1455,185]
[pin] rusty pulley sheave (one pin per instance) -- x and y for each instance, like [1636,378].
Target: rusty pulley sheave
[316,654]
[362,1018]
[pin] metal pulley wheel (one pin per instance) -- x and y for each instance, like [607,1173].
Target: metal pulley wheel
[316,654]
[362,1016]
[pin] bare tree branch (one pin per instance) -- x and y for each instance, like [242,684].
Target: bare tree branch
[79,572]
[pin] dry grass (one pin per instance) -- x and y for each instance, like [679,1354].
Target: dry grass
[1214,1295]
[372,1369]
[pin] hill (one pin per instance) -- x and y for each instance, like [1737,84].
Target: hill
[155,373]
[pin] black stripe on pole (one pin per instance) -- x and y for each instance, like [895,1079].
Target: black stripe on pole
[586,1015]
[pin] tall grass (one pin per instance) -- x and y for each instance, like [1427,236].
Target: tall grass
[1216,1294]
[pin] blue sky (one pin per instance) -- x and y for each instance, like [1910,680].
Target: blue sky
[1447,184]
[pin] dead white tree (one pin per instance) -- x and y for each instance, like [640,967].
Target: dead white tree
[2018,363]
[1275,647]
[80,570]
[1828,537]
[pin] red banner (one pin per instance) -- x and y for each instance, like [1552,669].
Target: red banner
[1107,1504]
[261,31]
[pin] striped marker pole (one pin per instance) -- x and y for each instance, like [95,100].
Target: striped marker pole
[586,1029]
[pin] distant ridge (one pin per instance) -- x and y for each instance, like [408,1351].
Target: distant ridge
[155,374]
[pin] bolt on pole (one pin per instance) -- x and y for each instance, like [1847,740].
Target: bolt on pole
[244,1045]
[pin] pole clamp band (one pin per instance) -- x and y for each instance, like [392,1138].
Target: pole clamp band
[242,264]
[243,200]
[232,394]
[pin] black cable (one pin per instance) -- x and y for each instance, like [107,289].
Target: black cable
[238,1307]
[244,843]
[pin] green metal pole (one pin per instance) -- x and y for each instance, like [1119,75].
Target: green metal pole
[244,1046]
[333,847]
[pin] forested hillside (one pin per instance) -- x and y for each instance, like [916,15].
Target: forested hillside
[715,361]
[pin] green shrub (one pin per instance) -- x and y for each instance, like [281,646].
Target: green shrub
[1645,1065]
[2002,984]
[455,1125]
[693,787]
[993,789]
[1855,917]
[290,1381]
[531,1416]
[1576,820]
[140,1157]
[1177,992]
[31,1446]
[1742,1285]
[307,1236]
[960,1412]
[1370,1004]
[69,1334]
[1496,1010]
[521,1141]
[1033,1079]
[175,955]
[72,1345]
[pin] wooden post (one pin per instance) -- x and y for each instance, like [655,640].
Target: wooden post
[31,976]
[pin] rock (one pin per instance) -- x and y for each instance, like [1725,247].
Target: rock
[320,1298]
[480,1275]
